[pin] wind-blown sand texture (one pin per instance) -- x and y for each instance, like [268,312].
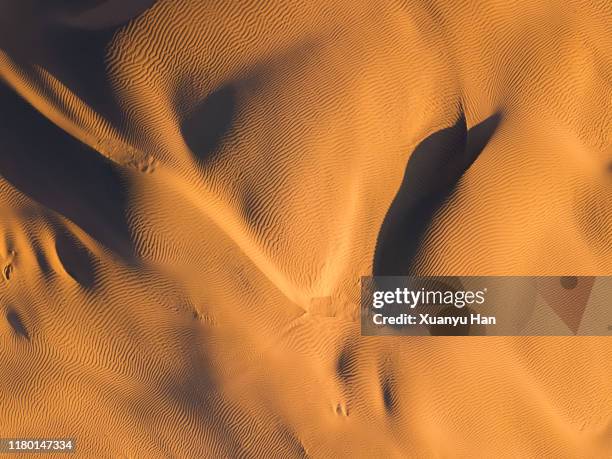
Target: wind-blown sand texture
[191,190]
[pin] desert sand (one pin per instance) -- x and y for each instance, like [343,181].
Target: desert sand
[191,190]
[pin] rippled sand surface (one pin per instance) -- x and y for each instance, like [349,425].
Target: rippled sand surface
[191,190]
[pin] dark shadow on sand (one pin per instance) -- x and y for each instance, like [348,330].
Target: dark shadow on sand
[76,259]
[61,173]
[17,324]
[432,174]
[207,126]
[32,33]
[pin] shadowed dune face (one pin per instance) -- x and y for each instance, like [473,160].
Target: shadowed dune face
[76,260]
[71,178]
[70,40]
[432,174]
[191,190]
[15,322]
[206,127]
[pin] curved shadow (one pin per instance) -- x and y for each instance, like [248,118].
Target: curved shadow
[61,173]
[77,261]
[70,40]
[432,174]
[207,126]
[17,324]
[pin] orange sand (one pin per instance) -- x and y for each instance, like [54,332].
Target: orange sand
[190,190]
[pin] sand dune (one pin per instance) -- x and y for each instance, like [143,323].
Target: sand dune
[190,192]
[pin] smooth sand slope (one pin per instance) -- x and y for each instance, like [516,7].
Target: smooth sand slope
[190,190]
